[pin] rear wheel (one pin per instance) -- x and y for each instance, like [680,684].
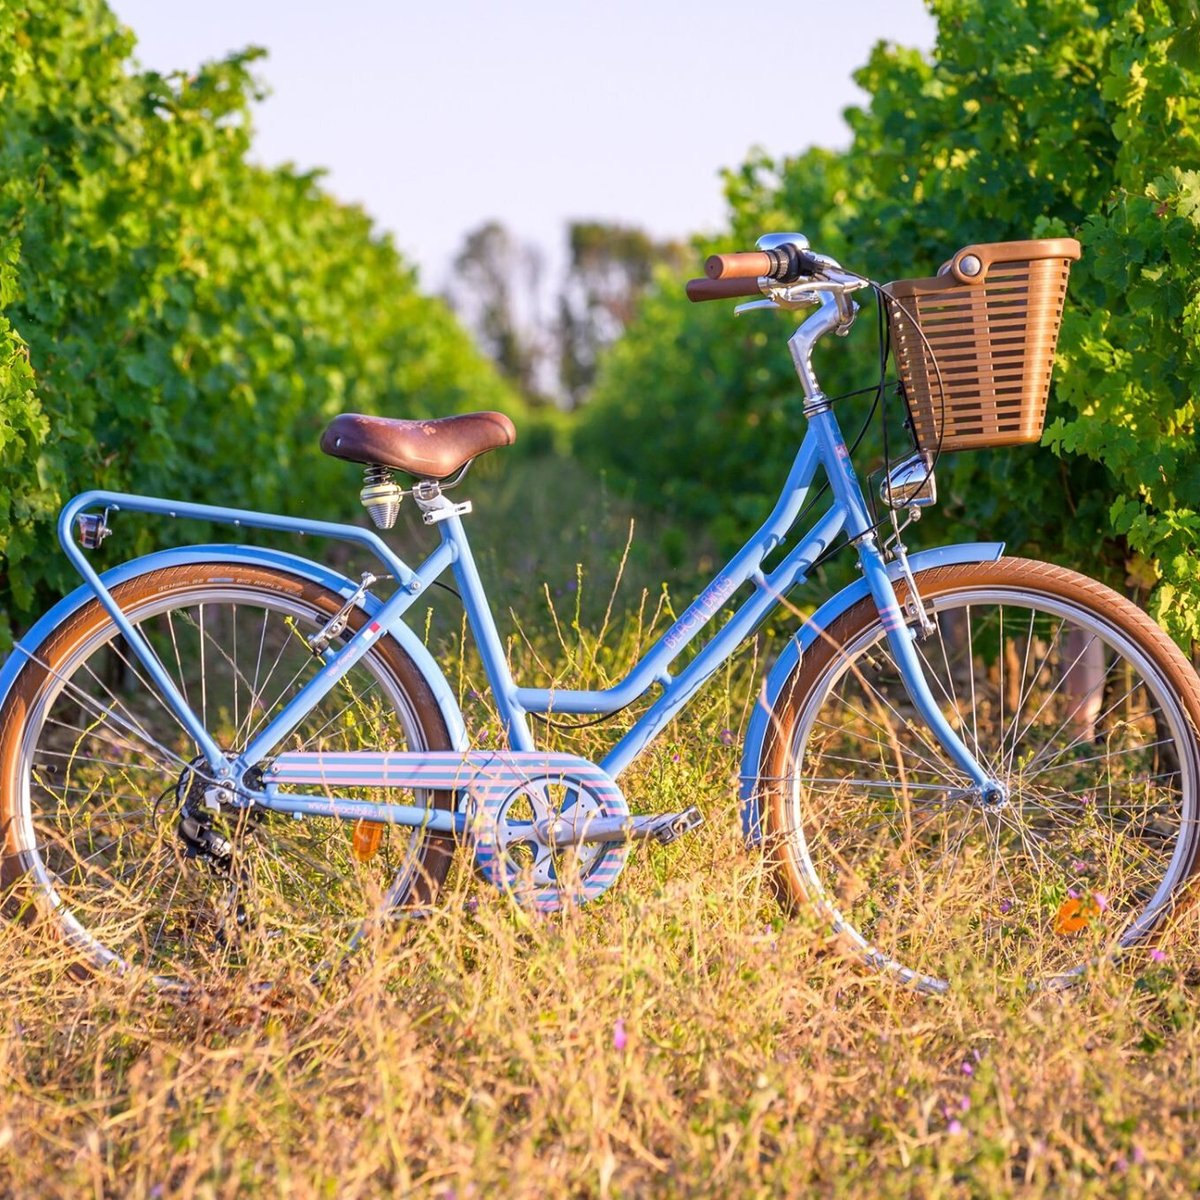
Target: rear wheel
[110,827]
[1072,697]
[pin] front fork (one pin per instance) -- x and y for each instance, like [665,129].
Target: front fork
[902,637]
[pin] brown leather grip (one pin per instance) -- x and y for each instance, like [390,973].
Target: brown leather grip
[749,265]
[720,289]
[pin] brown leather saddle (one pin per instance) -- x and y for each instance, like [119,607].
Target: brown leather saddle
[433,449]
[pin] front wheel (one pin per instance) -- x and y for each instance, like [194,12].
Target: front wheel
[1070,696]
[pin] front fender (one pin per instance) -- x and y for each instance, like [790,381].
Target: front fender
[760,719]
[304,568]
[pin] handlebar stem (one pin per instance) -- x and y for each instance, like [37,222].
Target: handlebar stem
[828,318]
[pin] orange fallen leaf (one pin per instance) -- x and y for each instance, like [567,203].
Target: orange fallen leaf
[1074,915]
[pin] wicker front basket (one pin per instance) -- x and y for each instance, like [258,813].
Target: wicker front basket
[980,374]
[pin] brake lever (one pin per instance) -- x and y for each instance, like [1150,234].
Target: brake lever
[791,298]
[806,294]
[751,304]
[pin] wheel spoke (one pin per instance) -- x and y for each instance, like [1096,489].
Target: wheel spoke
[110,714]
[1080,739]
[1006,759]
[107,771]
[923,871]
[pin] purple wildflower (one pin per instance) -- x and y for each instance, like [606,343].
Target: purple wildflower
[1157,955]
[967,1069]
[954,1127]
[726,737]
[619,1038]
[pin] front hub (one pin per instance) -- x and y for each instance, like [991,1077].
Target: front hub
[993,795]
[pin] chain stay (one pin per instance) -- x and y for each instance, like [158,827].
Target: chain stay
[492,782]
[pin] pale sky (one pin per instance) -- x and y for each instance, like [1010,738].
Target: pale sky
[438,116]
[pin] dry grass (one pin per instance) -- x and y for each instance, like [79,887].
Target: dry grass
[678,1038]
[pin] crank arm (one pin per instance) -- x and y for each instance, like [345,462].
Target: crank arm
[588,829]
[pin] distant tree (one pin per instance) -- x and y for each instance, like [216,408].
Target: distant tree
[173,318]
[495,293]
[609,268]
[1041,118]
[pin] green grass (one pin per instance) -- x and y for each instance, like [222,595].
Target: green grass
[678,1038]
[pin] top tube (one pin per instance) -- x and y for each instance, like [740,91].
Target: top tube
[743,567]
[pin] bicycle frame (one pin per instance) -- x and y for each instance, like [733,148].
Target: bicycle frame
[823,446]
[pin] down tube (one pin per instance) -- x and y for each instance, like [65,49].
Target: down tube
[745,565]
[769,591]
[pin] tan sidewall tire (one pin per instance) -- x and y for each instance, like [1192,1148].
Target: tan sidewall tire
[156,585]
[1012,572]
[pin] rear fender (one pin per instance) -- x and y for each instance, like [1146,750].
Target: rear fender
[303,568]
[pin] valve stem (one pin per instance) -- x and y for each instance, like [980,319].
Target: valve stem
[381,496]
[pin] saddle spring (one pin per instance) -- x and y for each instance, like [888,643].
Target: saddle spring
[381,496]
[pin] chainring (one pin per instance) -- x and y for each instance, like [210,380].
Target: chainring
[513,857]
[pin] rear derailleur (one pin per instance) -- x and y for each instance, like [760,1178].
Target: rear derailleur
[201,805]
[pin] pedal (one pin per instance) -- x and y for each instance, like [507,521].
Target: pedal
[673,829]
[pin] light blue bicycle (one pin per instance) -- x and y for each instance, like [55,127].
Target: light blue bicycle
[220,752]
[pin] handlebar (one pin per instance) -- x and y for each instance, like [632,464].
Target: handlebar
[786,265]
[748,265]
[721,289]
[786,276]
[730,275]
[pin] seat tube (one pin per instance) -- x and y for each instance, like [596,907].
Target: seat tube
[487,637]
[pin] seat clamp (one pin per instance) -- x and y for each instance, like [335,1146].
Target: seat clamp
[433,505]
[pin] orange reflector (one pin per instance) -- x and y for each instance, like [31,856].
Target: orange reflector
[1074,915]
[367,838]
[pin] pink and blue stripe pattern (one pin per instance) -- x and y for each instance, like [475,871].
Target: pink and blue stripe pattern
[488,779]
